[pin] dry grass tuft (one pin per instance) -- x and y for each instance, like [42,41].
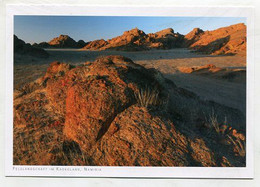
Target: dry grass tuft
[239,146]
[213,122]
[147,97]
[223,131]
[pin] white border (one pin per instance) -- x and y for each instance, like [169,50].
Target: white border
[98,171]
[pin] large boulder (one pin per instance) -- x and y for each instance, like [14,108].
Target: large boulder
[138,138]
[91,96]
[82,101]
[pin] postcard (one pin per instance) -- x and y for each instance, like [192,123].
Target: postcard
[129,91]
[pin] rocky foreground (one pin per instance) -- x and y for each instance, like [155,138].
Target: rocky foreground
[113,112]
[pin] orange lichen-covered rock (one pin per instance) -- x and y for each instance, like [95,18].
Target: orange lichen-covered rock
[90,108]
[137,138]
[91,96]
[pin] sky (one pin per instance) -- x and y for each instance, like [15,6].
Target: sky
[37,29]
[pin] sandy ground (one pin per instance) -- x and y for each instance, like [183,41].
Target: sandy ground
[227,93]
[231,94]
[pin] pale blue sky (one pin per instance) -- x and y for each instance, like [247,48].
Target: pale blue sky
[43,28]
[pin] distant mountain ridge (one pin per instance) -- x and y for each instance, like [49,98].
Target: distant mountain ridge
[137,40]
[62,41]
[223,41]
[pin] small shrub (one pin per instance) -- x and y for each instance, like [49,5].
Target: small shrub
[147,97]
[239,146]
[213,122]
[222,129]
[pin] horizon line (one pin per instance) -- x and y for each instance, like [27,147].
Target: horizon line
[104,38]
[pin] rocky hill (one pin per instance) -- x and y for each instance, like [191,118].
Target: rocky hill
[113,112]
[81,43]
[137,40]
[22,48]
[62,41]
[226,40]
[42,45]
[96,44]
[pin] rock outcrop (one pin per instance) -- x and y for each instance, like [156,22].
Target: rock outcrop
[210,70]
[138,138]
[167,39]
[22,48]
[95,45]
[192,37]
[227,40]
[101,91]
